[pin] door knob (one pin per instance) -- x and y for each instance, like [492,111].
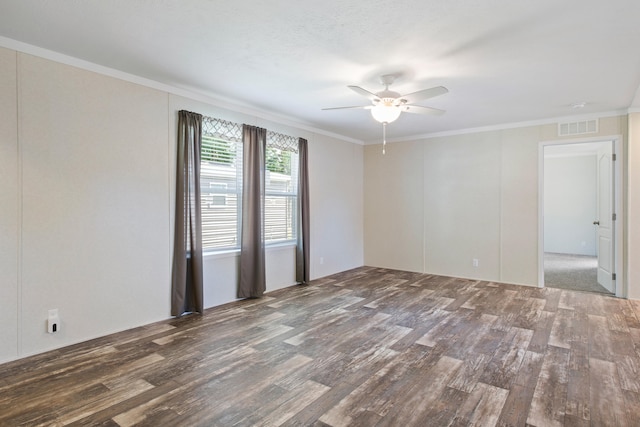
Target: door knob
[596,222]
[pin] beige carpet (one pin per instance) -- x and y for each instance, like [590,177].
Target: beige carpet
[574,272]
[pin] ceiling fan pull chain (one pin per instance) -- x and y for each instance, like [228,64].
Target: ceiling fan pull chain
[384,137]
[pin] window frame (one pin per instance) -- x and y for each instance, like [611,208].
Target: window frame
[290,198]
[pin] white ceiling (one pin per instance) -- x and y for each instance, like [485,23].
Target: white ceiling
[503,61]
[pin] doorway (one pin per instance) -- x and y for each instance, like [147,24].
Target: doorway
[578,202]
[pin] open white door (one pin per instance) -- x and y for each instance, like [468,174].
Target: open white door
[605,223]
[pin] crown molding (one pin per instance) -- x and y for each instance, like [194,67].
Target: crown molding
[505,126]
[194,94]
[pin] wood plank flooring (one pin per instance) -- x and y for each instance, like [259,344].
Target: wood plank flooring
[367,347]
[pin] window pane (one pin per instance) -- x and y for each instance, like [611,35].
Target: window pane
[279,216]
[219,186]
[281,183]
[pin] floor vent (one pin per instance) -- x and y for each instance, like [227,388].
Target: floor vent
[578,128]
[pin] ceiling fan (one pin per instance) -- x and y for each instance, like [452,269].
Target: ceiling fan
[387,105]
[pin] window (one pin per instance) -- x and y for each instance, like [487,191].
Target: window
[220,192]
[221,185]
[281,190]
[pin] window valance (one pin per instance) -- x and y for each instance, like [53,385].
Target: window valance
[231,131]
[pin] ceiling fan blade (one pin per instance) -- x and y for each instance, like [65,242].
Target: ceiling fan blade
[364,92]
[419,109]
[421,95]
[366,107]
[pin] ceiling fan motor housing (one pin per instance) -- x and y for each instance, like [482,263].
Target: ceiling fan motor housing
[388,97]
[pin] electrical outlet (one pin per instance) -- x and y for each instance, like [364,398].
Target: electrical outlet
[321,260]
[53,321]
[475,262]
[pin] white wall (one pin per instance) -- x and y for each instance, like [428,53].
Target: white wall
[95,219]
[394,194]
[462,205]
[519,205]
[87,167]
[336,187]
[570,204]
[458,198]
[435,205]
[9,206]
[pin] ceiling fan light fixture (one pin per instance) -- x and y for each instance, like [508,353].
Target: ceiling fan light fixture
[385,113]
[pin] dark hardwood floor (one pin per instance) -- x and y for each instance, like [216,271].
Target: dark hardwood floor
[367,347]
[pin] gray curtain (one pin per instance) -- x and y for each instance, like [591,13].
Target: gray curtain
[252,283]
[302,233]
[186,281]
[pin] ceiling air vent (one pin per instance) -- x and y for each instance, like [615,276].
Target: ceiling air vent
[578,128]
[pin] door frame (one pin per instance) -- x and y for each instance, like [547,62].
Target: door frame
[620,287]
